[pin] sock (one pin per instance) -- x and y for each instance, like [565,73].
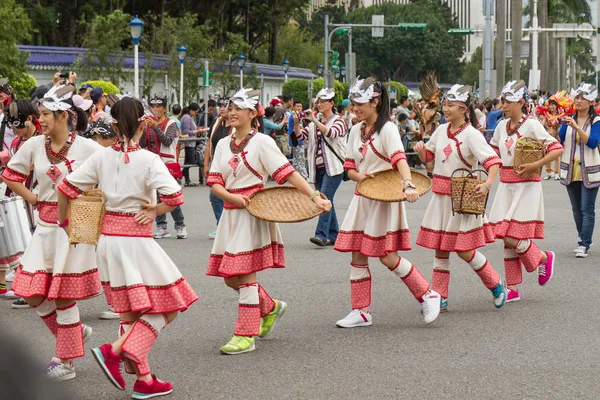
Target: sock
[529,254]
[360,286]
[484,270]
[441,276]
[47,311]
[69,333]
[412,277]
[265,302]
[139,342]
[512,267]
[248,321]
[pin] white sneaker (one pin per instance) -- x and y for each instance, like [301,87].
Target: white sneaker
[9,295]
[548,177]
[57,371]
[581,252]
[556,177]
[162,234]
[87,332]
[10,276]
[212,235]
[109,314]
[181,232]
[355,319]
[431,306]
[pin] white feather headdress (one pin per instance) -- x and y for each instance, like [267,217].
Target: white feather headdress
[587,90]
[246,98]
[363,90]
[55,99]
[514,91]
[326,94]
[459,93]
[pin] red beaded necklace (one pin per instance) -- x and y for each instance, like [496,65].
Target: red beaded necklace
[365,137]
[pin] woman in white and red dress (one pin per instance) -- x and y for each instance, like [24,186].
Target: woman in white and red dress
[140,281]
[372,228]
[454,145]
[517,212]
[245,245]
[22,118]
[52,274]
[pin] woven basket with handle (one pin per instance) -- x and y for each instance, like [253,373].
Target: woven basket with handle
[528,151]
[464,198]
[85,217]
[283,204]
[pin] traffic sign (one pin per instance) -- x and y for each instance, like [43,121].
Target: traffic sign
[411,26]
[569,30]
[377,21]
[585,30]
[461,31]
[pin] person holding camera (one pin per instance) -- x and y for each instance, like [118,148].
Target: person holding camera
[326,151]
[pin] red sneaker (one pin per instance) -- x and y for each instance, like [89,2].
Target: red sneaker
[110,362]
[154,388]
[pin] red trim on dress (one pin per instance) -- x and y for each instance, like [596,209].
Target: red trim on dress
[176,296]
[508,175]
[14,176]
[429,156]
[48,211]
[397,156]
[123,224]
[493,160]
[247,164]
[554,146]
[172,200]
[496,149]
[456,241]
[68,189]
[215,178]
[56,286]
[519,229]
[11,259]
[442,185]
[349,164]
[228,265]
[281,173]
[373,246]
[248,191]
[377,153]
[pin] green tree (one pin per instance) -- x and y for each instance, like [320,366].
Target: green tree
[299,88]
[15,28]
[295,45]
[23,85]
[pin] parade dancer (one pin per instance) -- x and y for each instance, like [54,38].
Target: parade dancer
[326,152]
[52,274]
[580,164]
[517,213]
[372,228]
[245,245]
[453,145]
[140,281]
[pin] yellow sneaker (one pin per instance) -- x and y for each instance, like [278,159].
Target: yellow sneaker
[239,345]
[268,321]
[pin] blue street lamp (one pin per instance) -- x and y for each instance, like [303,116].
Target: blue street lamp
[343,73]
[241,60]
[286,66]
[181,53]
[136,25]
[320,69]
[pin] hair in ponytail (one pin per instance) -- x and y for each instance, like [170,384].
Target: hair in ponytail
[127,114]
[383,107]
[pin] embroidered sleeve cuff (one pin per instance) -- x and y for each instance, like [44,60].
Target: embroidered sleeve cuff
[494,160]
[397,156]
[496,149]
[429,156]
[13,176]
[215,179]
[349,164]
[172,200]
[553,146]
[281,174]
[68,189]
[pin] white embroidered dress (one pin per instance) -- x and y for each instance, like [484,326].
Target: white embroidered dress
[50,267]
[136,273]
[441,229]
[371,227]
[518,208]
[245,244]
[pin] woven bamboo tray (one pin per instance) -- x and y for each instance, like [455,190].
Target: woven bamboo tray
[282,204]
[464,198]
[386,186]
[85,217]
[528,151]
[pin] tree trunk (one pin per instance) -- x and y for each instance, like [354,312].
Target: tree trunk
[163,5]
[552,70]
[516,14]
[273,33]
[544,61]
[500,44]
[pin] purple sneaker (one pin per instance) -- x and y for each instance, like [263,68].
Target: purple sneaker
[512,295]
[546,269]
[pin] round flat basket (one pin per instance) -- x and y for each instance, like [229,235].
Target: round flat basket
[386,186]
[85,219]
[282,204]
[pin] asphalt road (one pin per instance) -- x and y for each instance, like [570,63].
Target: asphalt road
[543,347]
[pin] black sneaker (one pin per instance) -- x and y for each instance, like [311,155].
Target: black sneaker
[318,241]
[21,303]
[329,242]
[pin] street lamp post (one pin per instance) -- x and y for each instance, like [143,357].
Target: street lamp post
[343,73]
[336,71]
[241,62]
[320,69]
[286,66]
[136,26]
[181,53]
